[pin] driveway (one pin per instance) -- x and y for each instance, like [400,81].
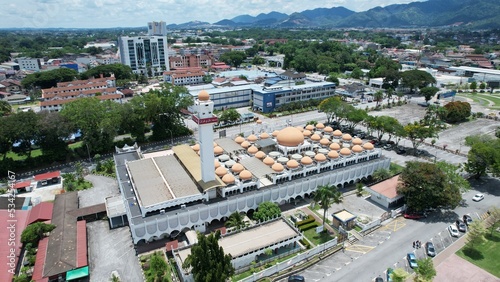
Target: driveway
[103,187]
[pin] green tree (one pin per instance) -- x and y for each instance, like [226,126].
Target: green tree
[48,79]
[452,173]
[257,60]
[482,86]
[53,132]
[354,117]
[207,260]
[24,130]
[236,220]
[207,79]
[457,111]
[325,196]
[331,106]
[157,271]
[475,233]
[473,86]
[417,79]
[233,58]
[399,275]
[429,92]
[417,133]
[381,174]
[425,271]
[266,211]
[357,73]
[120,71]
[378,97]
[34,232]
[230,115]
[494,217]
[333,77]
[5,108]
[484,155]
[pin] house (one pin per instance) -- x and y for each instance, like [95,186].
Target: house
[185,76]
[385,193]
[351,90]
[11,86]
[293,75]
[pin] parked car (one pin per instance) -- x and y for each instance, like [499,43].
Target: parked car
[412,260]
[461,225]
[429,249]
[453,230]
[296,278]
[379,279]
[400,151]
[478,197]
[388,147]
[389,271]
[467,219]
[414,215]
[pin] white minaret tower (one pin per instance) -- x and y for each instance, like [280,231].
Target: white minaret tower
[205,119]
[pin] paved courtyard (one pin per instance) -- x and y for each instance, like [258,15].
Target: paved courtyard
[103,187]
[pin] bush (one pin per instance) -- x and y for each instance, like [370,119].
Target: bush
[309,219]
[309,226]
[305,243]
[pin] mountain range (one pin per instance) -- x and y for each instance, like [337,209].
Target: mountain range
[478,14]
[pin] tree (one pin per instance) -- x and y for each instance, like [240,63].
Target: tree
[34,232]
[457,111]
[333,77]
[48,79]
[378,97]
[473,86]
[357,73]
[330,107]
[381,174]
[120,71]
[453,176]
[236,220]
[399,275]
[494,217]
[475,233]
[5,108]
[425,271]
[325,196]
[484,155]
[257,60]
[354,117]
[157,271]
[207,260]
[233,58]
[266,211]
[230,115]
[482,86]
[417,133]
[417,79]
[24,130]
[429,92]
[53,133]
[424,185]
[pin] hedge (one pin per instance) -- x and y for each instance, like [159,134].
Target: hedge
[309,219]
[305,243]
[309,226]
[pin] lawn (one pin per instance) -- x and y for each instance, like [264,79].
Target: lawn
[16,157]
[317,239]
[485,255]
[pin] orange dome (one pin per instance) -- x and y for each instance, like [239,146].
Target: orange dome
[239,139]
[306,160]
[196,147]
[203,95]
[345,152]
[337,133]
[328,129]
[333,154]
[228,178]
[260,155]
[244,175]
[220,171]
[237,168]
[216,163]
[252,138]
[320,126]
[310,127]
[292,164]
[357,149]
[259,121]
[218,150]
[264,135]
[300,128]
[357,141]
[347,137]
[306,133]
[268,161]
[245,144]
[275,133]
[278,167]
[290,137]
[320,157]
[215,145]
[335,146]
[368,146]
[253,150]
[324,141]
[315,137]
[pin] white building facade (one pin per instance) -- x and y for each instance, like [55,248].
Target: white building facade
[145,54]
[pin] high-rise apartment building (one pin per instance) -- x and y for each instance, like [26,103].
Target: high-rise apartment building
[147,55]
[157,28]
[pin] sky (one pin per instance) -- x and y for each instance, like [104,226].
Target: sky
[136,13]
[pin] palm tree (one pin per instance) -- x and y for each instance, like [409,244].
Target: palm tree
[325,196]
[389,94]
[378,97]
[236,220]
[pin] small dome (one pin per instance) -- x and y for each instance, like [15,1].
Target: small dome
[252,138]
[220,171]
[324,141]
[239,139]
[218,150]
[368,146]
[203,95]
[320,157]
[228,178]
[253,150]
[333,154]
[357,149]
[347,137]
[245,144]
[259,121]
[328,129]
[345,152]
[310,127]
[290,137]
[300,128]
[196,147]
[215,145]
[320,126]
[216,163]
[357,141]
[275,133]
[278,167]
[268,161]
[264,135]
[306,160]
[306,133]
[337,133]
[315,137]
[245,175]
[292,164]
[335,146]
[237,168]
[260,155]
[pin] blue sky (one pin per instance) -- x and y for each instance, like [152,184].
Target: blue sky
[133,13]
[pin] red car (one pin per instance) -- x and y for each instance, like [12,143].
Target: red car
[414,215]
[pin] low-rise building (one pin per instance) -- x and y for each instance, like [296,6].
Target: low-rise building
[185,76]
[29,64]
[385,193]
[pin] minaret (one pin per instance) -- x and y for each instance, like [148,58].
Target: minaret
[205,119]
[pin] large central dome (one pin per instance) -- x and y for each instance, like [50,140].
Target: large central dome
[290,137]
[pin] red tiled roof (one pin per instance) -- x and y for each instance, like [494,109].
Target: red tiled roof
[41,212]
[40,260]
[172,245]
[21,185]
[81,244]
[387,187]
[48,175]
[6,220]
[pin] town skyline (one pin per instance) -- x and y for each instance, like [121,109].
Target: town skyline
[114,13]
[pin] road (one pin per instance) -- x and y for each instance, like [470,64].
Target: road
[388,246]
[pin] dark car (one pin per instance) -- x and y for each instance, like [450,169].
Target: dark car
[379,279]
[429,249]
[467,219]
[400,151]
[461,225]
[296,278]
[414,215]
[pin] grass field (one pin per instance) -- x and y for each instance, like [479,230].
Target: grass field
[484,99]
[317,239]
[16,157]
[485,255]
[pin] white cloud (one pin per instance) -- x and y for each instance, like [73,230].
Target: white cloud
[113,13]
